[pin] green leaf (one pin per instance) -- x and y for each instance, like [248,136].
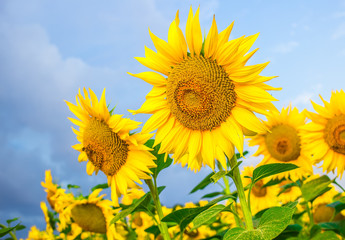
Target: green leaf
[291,205]
[213,194]
[5,231]
[315,188]
[275,220]
[11,220]
[238,233]
[206,215]
[329,235]
[161,164]
[204,183]
[337,226]
[218,176]
[338,206]
[130,209]
[316,229]
[102,185]
[230,173]
[20,227]
[290,231]
[273,182]
[271,169]
[186,215]
[155,230]
[272,223]
[69,186]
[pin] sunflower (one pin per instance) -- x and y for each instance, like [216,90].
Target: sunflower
[324,136]
[50,187]
[56,196]
[281,143]
[36,234]
[106,142]
[260,197]
[206,97]
[93,214]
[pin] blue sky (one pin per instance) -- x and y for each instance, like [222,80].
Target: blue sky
[49,49]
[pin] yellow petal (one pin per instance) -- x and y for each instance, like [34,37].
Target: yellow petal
[251,93]
[197,34]
[156,120]
[194,146]
[164,48]
[211,40]
[189,31]
[248,120]
[151,77]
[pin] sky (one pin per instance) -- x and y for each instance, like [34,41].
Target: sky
[50,49]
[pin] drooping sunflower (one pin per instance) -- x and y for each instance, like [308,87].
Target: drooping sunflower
[106,142]
[324,136]
[281,143]
[260,197]
[205,97]
[56,195]
[93,214]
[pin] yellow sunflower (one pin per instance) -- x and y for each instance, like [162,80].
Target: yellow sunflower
[56,196]
[50,188]
[260,197]
[106,142]
[36,234]
[93,214]
[324,137]
[206,97]
[281,143]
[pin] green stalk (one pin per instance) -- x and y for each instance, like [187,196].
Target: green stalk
[228,192]
[162,225]
[310,214]
[240,190]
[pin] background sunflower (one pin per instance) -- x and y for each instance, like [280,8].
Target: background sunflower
[324,136]
[281,142]
[106,142]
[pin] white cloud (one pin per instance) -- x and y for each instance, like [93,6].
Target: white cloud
[304,98]
[285,47]
[339,32]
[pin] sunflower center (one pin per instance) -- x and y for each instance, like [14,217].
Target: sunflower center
[104,148]
[258,190]
[283,143]
[334,134]
[138,221]
[200,94]
[89,217]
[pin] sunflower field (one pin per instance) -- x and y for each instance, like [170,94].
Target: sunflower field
[205,103]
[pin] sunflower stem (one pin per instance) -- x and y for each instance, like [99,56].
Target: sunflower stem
[228,192]
[162,225]
[240,190]
[310,214]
